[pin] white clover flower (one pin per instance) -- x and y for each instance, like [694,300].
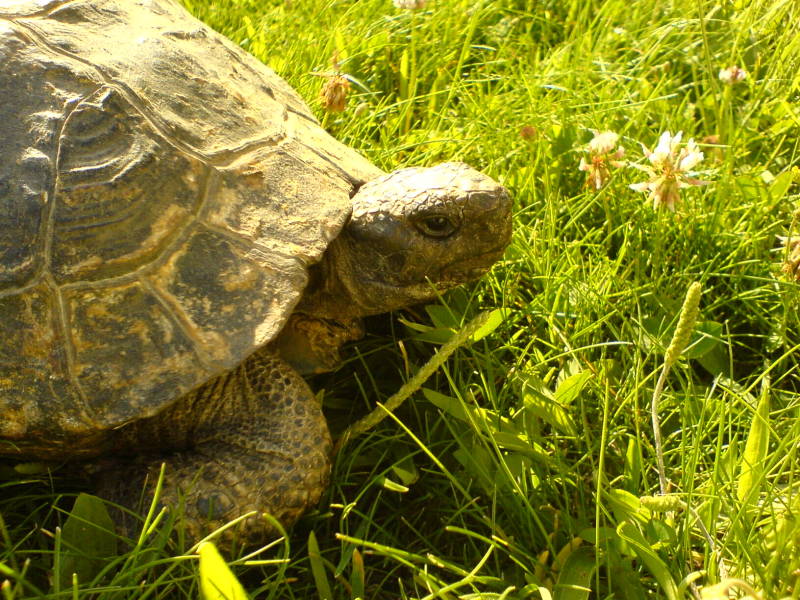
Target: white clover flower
[791,260]
[670,170]
[602,153]
[333,95]
[409,4]
[732,75]
[603,142]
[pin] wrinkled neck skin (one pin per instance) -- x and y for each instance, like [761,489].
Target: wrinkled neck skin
[328,315]
[347,286]
[340,292]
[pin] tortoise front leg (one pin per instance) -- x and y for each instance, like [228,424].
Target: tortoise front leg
[252,439]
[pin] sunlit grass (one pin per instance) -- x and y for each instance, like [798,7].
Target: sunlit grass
[519,470]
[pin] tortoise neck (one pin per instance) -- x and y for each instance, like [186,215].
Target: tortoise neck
[332,291]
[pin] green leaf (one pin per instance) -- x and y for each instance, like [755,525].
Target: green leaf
[550,412]
[448,404]
[31,468]
[533,384]
[318,569]
[425,333]
[716,362]
[575,578]
[406,470]
[446,323]
[88,541]
[392,486]
[780,185]
[750,188]
[709,348]
[340,45]
[357,575]
[626,506]
[494,320]
[706,336]
[633,463]
[405,69]
[631,534]
[599,536]
[504,433]
[442,317]
[751,466]
[519,442]
[217,582]
[571,387]
[469,414]
[478,463]
[540,402]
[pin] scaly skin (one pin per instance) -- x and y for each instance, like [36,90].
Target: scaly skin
[252,439]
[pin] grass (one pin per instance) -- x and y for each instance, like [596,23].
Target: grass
[526,468]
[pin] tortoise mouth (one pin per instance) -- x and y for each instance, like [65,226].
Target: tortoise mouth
[476,267]
[428,286]
[460,272]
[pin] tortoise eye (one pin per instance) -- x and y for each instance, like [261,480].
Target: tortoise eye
[436,226]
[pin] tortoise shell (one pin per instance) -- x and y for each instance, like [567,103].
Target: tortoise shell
[162,194]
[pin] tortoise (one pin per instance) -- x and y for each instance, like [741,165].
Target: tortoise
[181,242]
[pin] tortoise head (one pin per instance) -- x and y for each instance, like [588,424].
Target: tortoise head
[418,231]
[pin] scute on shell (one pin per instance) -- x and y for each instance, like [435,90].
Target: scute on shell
[162,194]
